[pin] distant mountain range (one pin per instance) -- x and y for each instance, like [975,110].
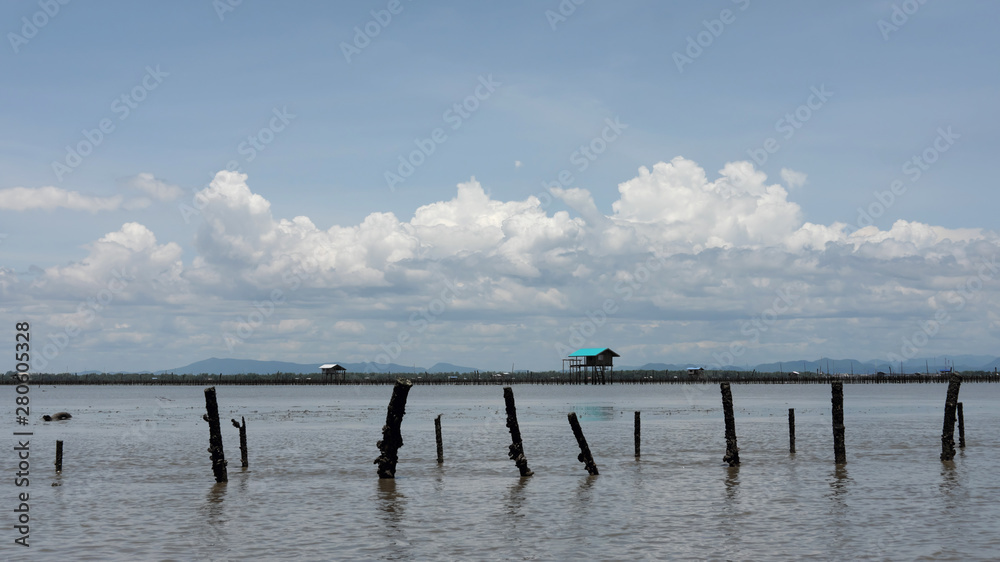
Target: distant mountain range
[241,366]
[824,365]
[827,365]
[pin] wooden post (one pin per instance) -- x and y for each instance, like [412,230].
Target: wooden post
[392,440]
[437,437]
[791,430]
[950,405]
[837,399]
[961,427]
[637,434]
[58,457]
[585,456]
[516,451]
[243,440]
[732,450]
[215,436]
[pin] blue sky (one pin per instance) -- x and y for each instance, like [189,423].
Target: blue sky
[314,117]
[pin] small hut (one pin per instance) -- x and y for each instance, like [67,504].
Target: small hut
[333,372]
[595,362]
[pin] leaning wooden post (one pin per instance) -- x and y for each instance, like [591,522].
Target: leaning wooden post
[791,430]
[961,427]
[732,451]
[637,434]
[215,436]
[839,448]
[392,440]
[950,405]
[243,440]
[437,437]
[516,452]
[585,456]
[58,457]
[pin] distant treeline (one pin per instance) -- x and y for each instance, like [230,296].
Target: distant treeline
[489,378]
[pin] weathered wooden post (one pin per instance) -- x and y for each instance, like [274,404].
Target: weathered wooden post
[732,450]
[516,451]
[839,447]
[437,437]
[961,427]
[243,440]
[637,434]
[950,405]
[791,430]
[392,440]
[585,456]
[215,436]
[58,457]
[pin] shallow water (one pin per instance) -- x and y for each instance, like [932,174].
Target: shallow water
[137,480]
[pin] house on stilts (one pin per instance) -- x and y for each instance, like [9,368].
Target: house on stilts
[334,372]
[591,364]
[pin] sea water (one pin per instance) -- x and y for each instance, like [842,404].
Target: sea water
[137,482]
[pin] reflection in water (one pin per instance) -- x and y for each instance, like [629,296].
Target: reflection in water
[839,485]
[212,538]
[840,522]
[952,490]
[392,510]
[512,516]
[515,498]
[731,530]
[732,485]
[391,502]
[585,493]
[594,413]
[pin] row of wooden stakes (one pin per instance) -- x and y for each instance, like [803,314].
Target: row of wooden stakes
[392,439]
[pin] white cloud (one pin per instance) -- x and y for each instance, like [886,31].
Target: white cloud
[349,327]
[792,178]
[157,189]
[685,260]
[49,198]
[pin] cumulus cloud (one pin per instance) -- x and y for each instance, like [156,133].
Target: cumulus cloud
[678,266]
[49,198]
[130,258]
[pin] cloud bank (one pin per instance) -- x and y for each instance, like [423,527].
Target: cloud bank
[684,268]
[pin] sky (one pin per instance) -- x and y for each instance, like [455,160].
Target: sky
[495,185]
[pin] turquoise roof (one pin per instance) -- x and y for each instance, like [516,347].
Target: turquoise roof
[591,351]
